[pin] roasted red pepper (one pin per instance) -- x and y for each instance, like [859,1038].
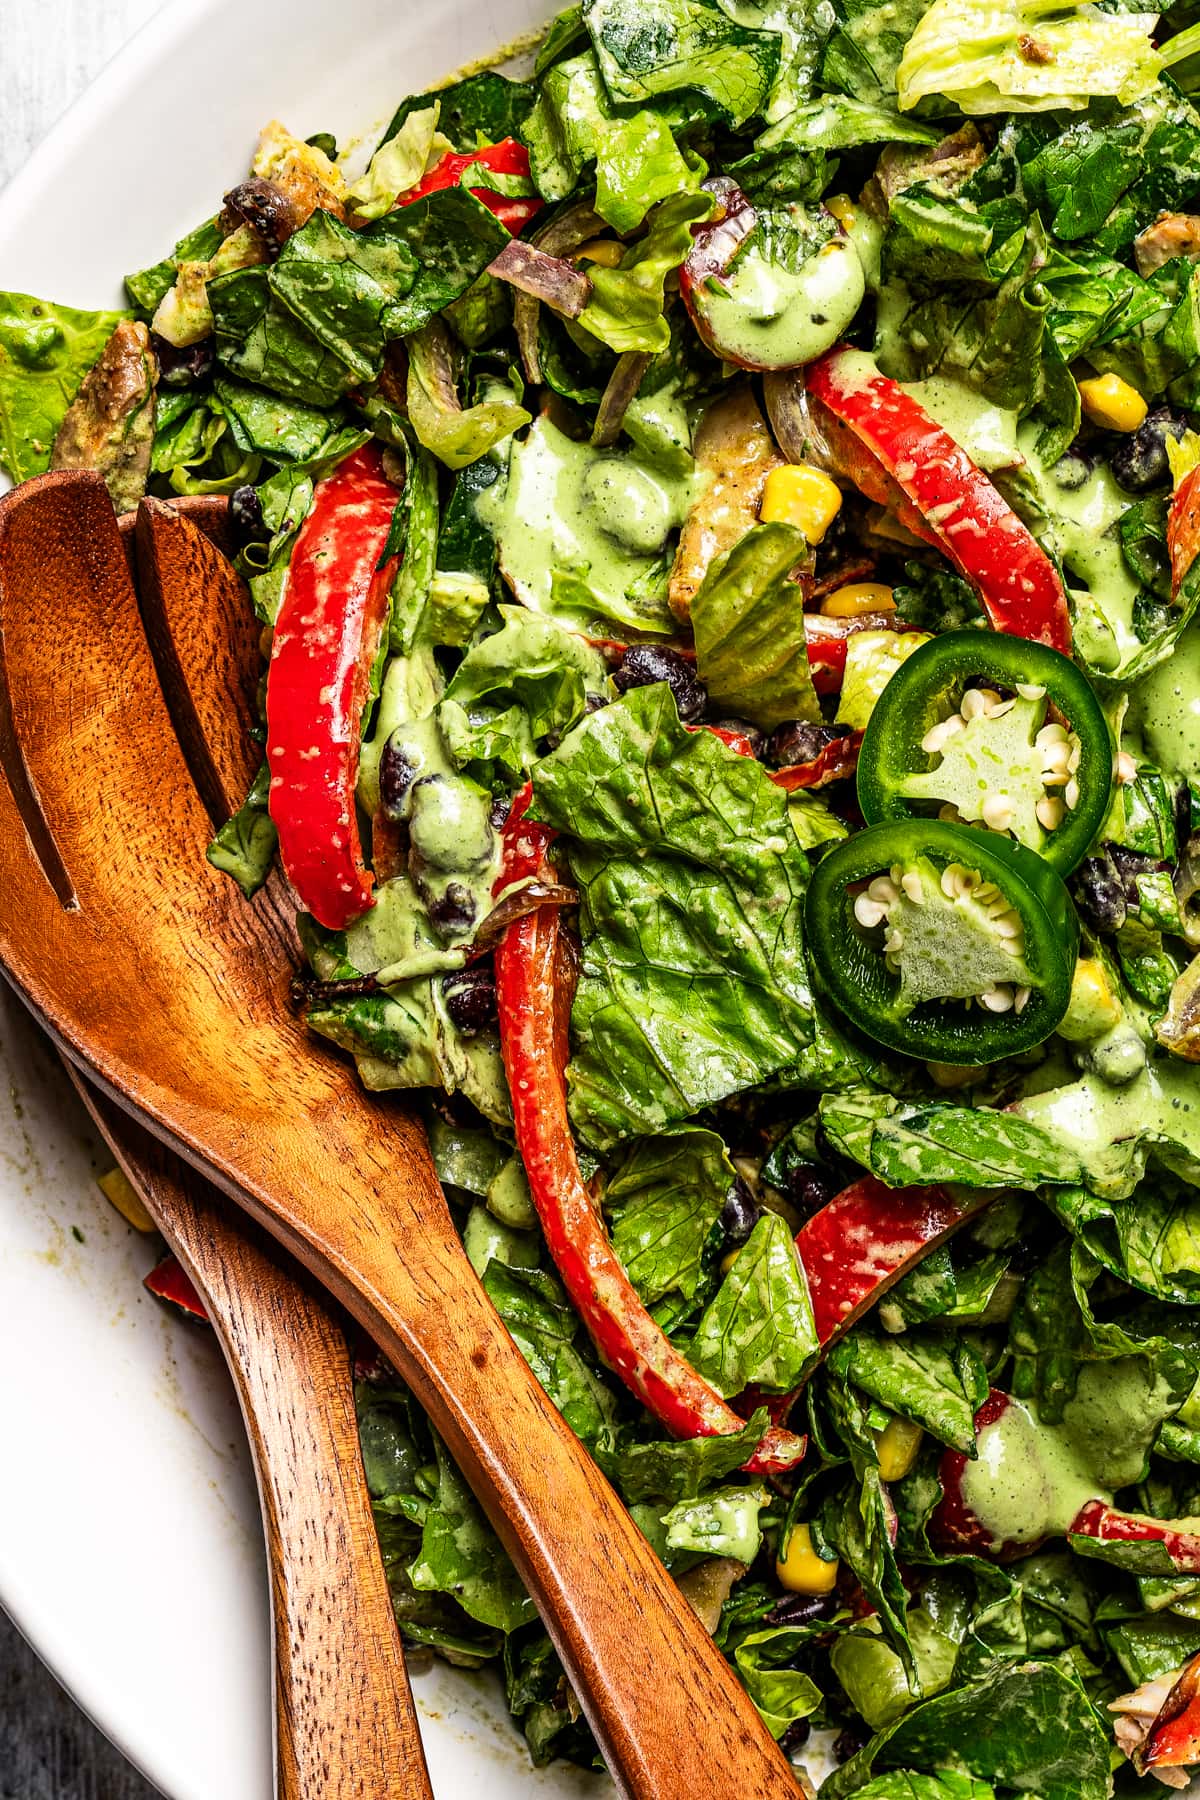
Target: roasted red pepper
[865,1239]
[505,158]
[1174,1740]
[891,448]
[171,1282]
[331,617]
[836,761]
[534,1016]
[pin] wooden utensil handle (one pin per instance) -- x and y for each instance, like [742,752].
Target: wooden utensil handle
[345,1721]
[672,1718]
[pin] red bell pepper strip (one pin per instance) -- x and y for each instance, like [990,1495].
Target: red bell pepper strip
[865,1239]
[171,1282]
[1183,528]
[1174,1740]
[1107,1525]
[836,761]
[534,1015]
[331,617]
[508,157]
[889,445]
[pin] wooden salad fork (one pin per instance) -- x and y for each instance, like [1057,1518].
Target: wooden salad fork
[170,992]
[345,1724]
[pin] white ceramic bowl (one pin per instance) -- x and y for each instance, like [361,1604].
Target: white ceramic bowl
[130,1549]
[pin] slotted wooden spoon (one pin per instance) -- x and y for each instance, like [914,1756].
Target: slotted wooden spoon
[151,973]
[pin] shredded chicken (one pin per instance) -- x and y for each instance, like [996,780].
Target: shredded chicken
[109,425]
[944,165]
[735,449]
[303,174]
[1172,234]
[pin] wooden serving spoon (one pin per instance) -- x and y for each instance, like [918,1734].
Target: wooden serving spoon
[152,974]
[345,1725]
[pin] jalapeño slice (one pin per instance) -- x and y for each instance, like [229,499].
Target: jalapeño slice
[941,941]
[942,736]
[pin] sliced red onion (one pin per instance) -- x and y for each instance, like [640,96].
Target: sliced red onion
[623,385]
[547,278]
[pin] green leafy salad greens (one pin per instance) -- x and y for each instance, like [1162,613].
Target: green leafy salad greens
[724,368]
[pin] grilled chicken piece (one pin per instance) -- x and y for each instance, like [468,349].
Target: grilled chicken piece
[109,425]
[1158,1725]
[1172,234]
[735,449]
[303,176]
[944,165]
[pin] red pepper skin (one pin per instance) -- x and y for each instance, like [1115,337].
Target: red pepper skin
[508,157]
[331,616]
[837,760]
[1174,1740]
[171,1282]
[1108,1526]
[533,1038]
[861,1243]
[953,1527]
[1183,529]
[948,499]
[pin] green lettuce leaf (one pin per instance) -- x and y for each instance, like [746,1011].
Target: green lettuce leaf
[664,1198]
[693,983]
[668,1470]
[1028,1726]
[456,435]
[45,352]
[750,643]
[461,1555]
[545,1328]
[874,1676]
[970,53]
[759,1329]
[397,165]
[638,163]
[564,129]
[900,1785]
[938,1381]
[1113,1130]
[245,846]
[147,287]
[864,48]
[480,109]
[908,1144]
[782,1695]
[626,308]
[650,48]
[1151,1239]
[723,1523]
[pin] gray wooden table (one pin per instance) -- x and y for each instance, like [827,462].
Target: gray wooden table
[51,50]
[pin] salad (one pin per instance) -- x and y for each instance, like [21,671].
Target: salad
[724,513]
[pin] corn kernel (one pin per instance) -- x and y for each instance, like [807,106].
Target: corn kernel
[729,1258]
[798,494]
[858,597]
[801,1570]
[1093,1008]
[120,1193]
[605,251]
[896,1447]
[843,209]
[1112,403]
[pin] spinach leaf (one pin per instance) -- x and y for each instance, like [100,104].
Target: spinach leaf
[456,435]
[900,1785]
[693,983]
[667,1470]
[759,1328]
[750,644]
[1151,1239]
[938,1381]
[665,1197]
[1028,1726]
[650,48]
[863,50]
[626,309]
[245,846]
[544,1327]
[258,338]
[148,286]
[480,109]
[905,1144]
[355,290]
[461,1555]
[283,431]
[45,352]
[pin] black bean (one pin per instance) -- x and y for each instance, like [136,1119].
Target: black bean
[183,367]
[744,728]
[1129,865]
[794,1738]
[397,772]
[848,1743]
[1183,816]
[262,205]
[1140,460]
[802,1609]
[809,1188]
[1073,469]
[643,664]
[470,996]
[501,807]
[593,703]
[1100,890]
[246,517]
[799,742]
[455,909]
[740,1213]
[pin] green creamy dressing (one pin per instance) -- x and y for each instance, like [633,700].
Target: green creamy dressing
[1164,709]
[771,317]
[1080,526]
[585,532]
[987,433]
[1160,1105]
[1029,1480]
